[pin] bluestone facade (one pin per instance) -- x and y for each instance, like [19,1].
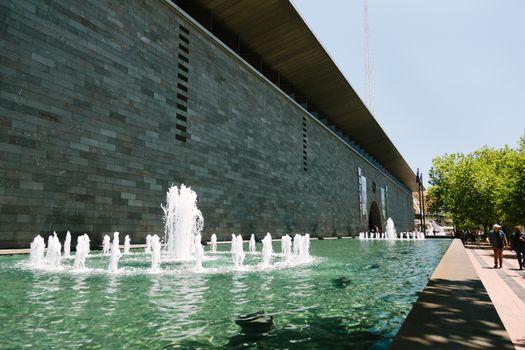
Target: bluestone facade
[104,105]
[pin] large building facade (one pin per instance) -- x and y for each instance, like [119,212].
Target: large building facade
[104,105]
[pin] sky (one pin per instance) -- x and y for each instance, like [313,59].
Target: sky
[448,75]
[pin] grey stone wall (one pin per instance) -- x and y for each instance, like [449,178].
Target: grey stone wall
[103,105]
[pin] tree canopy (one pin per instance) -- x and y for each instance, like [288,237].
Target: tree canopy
[480,188]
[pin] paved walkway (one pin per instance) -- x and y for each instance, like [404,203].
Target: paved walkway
[454,311]
[506,288]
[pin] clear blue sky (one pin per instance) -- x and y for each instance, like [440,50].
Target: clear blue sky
[449,75]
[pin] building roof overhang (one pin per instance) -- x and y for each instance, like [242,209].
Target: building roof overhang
[275,31]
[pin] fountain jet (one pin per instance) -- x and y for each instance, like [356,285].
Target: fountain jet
[82,250]
[213,243]
[183,221]
[199,251]
[106,245]
[127,243]
[267,249]
[38,247]
[53,254]
[149,246]
[115,254]
[238,254]
[67,245]
[155,252]
[251,246]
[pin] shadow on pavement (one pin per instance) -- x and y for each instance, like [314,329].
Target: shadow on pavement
[453,314]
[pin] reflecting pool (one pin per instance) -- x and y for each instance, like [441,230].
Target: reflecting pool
[351,294]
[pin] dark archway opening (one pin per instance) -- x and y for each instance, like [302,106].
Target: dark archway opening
[374,219]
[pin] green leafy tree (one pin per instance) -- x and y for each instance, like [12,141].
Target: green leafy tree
[480,188]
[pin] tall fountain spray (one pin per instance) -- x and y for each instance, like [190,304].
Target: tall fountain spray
[301,245]
[267,249]
[81,252]
[286,247]
[199,251]
[213,242]
[233,243]
[183,221]
[390,229]
[115,254]
[38,247]
[67,245]
[106,245]
[238,254]
[155,252]
[53,254]
[149,244]
[251,246]
[297,244]
[307,244]
[127,244]
[87,242]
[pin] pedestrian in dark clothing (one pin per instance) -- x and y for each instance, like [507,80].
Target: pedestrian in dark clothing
[518,245]
[498,240]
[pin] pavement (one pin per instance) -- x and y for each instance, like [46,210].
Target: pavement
[506,288]
[454,311]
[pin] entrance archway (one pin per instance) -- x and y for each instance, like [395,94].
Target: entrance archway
[374,218]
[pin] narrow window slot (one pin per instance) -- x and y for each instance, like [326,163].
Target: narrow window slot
[184,48]
[184,29]
[183,68]
[182,87]
[182,77]
[183,58]
[184,39]
[182,97]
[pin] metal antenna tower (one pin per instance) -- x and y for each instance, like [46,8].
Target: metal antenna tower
[369,86]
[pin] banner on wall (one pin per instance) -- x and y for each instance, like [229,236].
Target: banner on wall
[362,193]
[384,201]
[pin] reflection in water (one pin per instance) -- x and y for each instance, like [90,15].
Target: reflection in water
[80,292]
[180,297]
[111,297]
[42,296]
[239,293]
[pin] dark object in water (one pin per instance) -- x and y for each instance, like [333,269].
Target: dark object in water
[256,323]
[341,282]
[375,266]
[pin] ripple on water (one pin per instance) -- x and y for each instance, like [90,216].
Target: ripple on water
[176,307]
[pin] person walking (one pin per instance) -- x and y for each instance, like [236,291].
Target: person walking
[498,240]
[518,245]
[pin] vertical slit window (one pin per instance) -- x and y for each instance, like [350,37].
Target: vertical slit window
[181,126]
[305,145]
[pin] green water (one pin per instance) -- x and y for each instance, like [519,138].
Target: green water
[135,309]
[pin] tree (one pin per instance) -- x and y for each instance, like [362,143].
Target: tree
[480,188]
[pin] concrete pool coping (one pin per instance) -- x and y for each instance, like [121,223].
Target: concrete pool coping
[454,311]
